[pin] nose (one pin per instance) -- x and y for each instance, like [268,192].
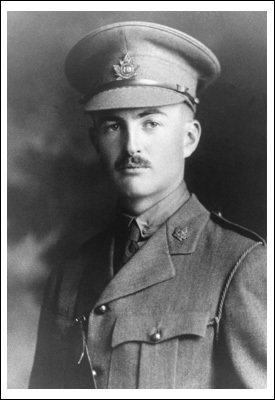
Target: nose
[131,139]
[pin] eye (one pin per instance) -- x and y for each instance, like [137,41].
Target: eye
[151,124]
[111,128]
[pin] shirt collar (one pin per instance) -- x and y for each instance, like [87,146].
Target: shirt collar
[151,220]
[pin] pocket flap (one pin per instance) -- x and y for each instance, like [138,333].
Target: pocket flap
[147,328]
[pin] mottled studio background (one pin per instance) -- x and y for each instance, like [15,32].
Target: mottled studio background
[57,194]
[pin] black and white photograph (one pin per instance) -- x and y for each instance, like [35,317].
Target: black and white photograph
[137,199]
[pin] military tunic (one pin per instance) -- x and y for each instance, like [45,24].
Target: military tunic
[187,311]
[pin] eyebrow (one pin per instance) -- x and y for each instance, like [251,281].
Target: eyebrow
[113,117]
[150,111]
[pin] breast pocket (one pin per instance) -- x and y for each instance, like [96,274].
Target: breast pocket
[157,344]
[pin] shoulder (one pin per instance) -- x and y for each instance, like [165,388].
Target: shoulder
[221,245]
[231,239]
[247,245]
[66,276]
[235,229]
[96,241]
[243,250]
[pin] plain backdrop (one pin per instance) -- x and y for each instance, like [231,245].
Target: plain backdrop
[57,193]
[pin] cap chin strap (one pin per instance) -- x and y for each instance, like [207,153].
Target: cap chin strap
[190,100]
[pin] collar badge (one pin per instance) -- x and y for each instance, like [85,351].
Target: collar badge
[126,69]
[181,234]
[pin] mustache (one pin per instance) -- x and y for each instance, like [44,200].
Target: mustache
[136,161]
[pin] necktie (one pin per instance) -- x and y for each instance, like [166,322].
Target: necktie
[132,242]
[126,242]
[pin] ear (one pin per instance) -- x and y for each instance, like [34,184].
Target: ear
[191,137]
[94,137]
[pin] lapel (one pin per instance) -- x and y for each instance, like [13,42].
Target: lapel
[153,264]
[185,227]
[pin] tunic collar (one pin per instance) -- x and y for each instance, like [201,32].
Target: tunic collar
[152,219]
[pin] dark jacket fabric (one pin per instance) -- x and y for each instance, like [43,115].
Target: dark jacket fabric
[186,311]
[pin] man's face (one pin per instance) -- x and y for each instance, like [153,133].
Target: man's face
[143,149]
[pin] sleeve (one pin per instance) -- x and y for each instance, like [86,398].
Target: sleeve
[41,374]
[242,336]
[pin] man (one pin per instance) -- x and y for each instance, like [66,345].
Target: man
[171,296]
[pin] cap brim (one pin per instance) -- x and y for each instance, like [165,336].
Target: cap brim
[133,97]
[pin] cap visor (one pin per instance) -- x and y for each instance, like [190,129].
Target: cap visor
[133,97]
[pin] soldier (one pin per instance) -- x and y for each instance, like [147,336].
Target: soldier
[171,295]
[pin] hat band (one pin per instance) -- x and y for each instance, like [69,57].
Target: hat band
[142,82]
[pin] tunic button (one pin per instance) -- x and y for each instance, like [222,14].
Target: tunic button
[101,310]
[94,373]
[156,337]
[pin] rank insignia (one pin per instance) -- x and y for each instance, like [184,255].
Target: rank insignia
[126,69]
[181,234]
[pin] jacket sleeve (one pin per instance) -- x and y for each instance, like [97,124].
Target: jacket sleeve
[242,336]
[41,375]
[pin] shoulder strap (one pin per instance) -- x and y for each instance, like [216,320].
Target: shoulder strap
[224,223]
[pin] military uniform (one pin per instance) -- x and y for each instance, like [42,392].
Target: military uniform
[188,309]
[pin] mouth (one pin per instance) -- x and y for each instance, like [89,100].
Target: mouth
[131,166]
[132,170]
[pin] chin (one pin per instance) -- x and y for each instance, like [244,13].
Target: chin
[133,190]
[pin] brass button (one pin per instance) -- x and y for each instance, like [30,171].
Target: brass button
[101,310]
[94,373]
[156,337]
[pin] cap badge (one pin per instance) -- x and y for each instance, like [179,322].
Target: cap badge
[126,69]
[181,234]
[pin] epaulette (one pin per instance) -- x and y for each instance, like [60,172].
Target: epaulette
[224,223]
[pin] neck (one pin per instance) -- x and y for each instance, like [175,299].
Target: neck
[137,206]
